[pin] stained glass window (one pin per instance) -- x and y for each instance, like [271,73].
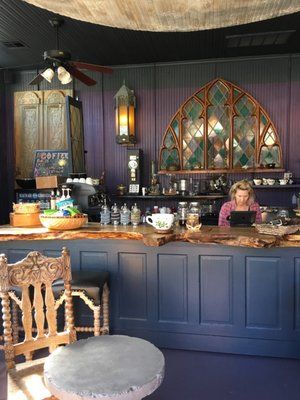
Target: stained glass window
[244,127]
[220,127]
[193,135]
[170,154]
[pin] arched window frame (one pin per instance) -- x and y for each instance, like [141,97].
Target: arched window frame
[262,128]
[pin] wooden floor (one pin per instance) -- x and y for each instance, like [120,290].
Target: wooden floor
[193,375]
[212,376]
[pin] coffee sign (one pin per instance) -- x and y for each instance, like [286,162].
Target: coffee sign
[51,162]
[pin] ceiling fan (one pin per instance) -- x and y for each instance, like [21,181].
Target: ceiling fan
[60,61]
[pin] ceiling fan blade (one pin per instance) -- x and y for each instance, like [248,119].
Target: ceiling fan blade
[81,76]
[38,79]
[92,67]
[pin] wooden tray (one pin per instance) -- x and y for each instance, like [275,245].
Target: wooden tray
[276,230]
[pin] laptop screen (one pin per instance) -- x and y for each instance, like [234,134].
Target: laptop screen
[242,218]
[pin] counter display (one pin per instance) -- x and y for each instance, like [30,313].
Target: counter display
[246,237]
[223,289]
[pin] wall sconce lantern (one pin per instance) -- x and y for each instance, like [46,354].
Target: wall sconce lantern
[125,123]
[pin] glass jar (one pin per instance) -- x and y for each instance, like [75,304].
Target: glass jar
[135,215]
[193,216]
[182,212]
[115,215]
[105,214]
[125,215]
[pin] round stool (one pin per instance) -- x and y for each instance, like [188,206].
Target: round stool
[105,367]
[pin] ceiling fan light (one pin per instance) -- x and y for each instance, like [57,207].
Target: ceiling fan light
[48,74]
[63,75]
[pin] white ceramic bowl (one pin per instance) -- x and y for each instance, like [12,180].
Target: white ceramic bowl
[271,181]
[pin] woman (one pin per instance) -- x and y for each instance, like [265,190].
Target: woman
[242,199]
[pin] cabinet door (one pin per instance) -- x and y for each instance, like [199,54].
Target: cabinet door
[28,124]
[54,135]
[40,123]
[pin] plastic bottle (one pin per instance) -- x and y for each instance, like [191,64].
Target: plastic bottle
[294,200]
[52,200]
[57,195]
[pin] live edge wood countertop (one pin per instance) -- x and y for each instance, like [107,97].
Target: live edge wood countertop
[246,237]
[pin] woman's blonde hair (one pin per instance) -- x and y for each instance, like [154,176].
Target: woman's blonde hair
[242,185]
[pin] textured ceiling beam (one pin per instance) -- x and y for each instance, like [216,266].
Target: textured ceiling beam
[169,15]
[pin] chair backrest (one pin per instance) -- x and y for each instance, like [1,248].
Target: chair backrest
[38,311]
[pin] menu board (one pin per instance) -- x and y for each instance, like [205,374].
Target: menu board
[51,162]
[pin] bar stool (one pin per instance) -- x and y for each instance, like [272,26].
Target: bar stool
[92,288]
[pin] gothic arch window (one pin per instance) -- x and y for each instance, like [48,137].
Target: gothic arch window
[220,128]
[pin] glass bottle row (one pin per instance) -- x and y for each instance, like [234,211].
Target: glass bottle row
[120,216]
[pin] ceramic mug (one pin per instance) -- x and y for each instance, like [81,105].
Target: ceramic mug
[257,182]
[161,222]
[283,181]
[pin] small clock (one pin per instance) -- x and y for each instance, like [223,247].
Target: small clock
[132,164]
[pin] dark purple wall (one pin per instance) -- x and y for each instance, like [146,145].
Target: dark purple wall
[160,89]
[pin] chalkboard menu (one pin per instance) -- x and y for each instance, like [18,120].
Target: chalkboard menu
[51,162]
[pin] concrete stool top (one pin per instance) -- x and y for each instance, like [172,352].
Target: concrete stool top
[105,367]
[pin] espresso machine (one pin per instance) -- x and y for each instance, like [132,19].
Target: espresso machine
[89,198]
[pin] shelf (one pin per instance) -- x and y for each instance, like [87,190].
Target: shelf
[293,186]
[221,171]
[175,197]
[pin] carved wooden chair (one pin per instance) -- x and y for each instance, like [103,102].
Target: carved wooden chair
[39,312]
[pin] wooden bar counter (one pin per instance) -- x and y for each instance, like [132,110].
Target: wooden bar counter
[247,237]
[229,290]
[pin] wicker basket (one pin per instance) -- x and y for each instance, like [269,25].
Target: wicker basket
[26,208]
[63,223]
[276,230]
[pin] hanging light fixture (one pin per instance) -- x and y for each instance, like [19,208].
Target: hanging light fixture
[125,103]
[48,74]
[63,75]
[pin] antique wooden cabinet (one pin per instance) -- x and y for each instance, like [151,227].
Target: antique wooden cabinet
[39,123]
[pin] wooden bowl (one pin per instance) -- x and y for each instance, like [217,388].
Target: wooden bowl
[63,223]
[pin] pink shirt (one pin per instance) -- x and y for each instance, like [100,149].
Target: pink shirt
[231,206]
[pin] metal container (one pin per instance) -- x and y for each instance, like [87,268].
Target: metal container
[183,186]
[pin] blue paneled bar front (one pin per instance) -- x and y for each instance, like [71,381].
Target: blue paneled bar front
[190,296]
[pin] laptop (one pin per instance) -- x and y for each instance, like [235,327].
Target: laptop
[242,218]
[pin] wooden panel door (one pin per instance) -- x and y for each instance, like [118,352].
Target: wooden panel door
[28,124]
[54,110]
[40,123]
